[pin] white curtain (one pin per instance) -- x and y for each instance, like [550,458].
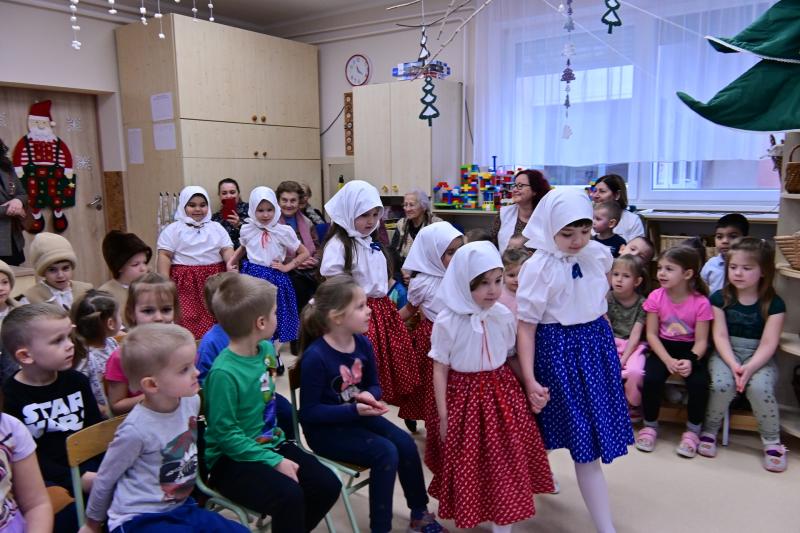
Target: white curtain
[624,107]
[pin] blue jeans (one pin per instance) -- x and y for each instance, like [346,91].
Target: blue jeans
[186,518]
[387,450]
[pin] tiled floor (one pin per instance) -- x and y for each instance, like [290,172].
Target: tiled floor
[653,493]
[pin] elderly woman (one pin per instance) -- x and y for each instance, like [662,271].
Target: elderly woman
[417,208]
[13,201]
[311,212]
[612,187]
[528,188]
[227,189]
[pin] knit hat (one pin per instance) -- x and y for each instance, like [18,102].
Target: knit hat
[48,248]
[6,269]
[119,247]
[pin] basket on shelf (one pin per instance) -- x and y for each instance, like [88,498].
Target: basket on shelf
[668,241]
[790,248]
[792,175]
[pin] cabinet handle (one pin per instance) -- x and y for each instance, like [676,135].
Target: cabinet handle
[263,118]
[395,188]
[385,188]
[264,154]
[255,118]
[255,154]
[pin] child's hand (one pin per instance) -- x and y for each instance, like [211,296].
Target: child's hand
[369,410]
[288,468]
[91,527]
[684,367]
[233,220]
[231,266]
[311,262]
[742,373]
[538,396]
[366,397]
[672,365]
[277,265]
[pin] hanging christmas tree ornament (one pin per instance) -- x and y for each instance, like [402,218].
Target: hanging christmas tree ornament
[569,25]
[143,13]
[194,10]
[210,12]
[159,16]
[429,111]
[111,9]
[568,75]
[611,17]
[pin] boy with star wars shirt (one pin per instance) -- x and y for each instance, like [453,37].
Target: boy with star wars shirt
[51,399]
[150,467]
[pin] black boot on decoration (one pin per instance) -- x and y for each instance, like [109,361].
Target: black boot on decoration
[37,224]
[60,223]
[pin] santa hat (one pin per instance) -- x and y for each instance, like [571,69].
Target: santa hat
[48,248]
[41,111]
[119,247]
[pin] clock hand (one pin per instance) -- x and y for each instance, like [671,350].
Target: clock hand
[359,70]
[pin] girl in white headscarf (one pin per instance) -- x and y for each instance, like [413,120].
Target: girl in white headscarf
[189,251]
[427,261]
[349,248]
[493,459]
[273,250]
[566,348]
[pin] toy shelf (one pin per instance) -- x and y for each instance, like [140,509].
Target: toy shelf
[478,212]
[785,270]
[790,196]
[790,343]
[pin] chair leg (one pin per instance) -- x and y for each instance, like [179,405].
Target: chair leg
[329,523]
[726,426]
[349,508]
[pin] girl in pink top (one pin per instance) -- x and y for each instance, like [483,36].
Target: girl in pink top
[512,263]
[678,323]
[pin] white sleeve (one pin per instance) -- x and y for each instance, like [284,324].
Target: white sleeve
[418,291]
[633,226]
[535,284]
[289,240]
[167,239]
[221,237]
[332,258]
[441,340]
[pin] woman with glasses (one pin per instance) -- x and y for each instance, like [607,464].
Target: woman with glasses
[528,188]
[611,187]
[417,208]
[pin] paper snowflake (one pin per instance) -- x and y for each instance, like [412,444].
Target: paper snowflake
[83,162]
[73,124]
[3,119]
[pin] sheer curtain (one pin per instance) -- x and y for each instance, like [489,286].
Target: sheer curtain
[624,107]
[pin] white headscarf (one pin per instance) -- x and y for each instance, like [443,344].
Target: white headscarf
[258,195]
[426,251]
[556,209]
[351,201]
[469,262]
[275,238]
[183,199]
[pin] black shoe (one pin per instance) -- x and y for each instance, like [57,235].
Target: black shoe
[281,369]
[294,347]
[411,425]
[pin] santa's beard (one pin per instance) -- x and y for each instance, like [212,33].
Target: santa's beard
[37,134]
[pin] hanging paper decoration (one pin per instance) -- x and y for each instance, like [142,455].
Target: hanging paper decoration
[611,17]
[429,112]
[194,10]
[143,13]
[73,18]
[568,75]
[159,16]
[111,9]
[210,12]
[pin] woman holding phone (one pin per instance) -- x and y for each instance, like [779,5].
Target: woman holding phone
[232,211]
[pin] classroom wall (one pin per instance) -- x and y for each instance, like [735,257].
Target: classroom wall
[50,62]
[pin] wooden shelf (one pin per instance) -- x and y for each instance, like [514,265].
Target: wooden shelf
[790,423]
[785,270]
[790,196]
[477,212]
[790,343]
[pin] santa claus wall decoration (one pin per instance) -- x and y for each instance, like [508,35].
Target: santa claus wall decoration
[44,165]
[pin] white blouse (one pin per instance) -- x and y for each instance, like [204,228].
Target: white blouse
[630,226]
[261,251]
[455,343]
[548,293]
[422,293]
[194,246]
[368,269]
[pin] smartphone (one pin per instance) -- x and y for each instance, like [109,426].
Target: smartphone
[228,207]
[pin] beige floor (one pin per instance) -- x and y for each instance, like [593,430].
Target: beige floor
[653,493]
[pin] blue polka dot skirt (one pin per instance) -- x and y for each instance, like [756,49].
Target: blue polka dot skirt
[288,319]
[587,412]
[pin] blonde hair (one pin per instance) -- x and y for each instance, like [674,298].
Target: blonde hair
[90,316]
[163,288]
[333,295]
[637,267]
[212,284]
[147,349]
[239,301]
[763,252]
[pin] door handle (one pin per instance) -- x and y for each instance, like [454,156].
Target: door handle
[97,202]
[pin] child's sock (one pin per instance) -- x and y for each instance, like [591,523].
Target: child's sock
[501,529]
[694,428]
[595,495]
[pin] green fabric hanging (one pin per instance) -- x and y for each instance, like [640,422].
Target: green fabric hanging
[774,35]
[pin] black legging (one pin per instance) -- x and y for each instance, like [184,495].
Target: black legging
[656,374]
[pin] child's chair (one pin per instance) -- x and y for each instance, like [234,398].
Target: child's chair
[351,471]
[84,445]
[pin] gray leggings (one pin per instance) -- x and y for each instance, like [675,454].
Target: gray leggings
[760,391]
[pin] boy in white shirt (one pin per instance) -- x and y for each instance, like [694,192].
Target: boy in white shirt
[729,228]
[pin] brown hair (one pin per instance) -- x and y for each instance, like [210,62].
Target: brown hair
[687,258]
[699,246]
[612,209]
[474,282]
[637,267]
[763,251]
[539,184]
[164,289]
[90,315]
[616,184]
[239,301]
[212,284]
[650,247]
[147,349]
[291,187]
[333,295]
[350,248]
[515,256]
[17,332]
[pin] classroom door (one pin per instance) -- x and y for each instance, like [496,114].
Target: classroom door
[75,116]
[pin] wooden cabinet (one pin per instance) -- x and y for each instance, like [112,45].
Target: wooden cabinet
[394,149]
[245,106]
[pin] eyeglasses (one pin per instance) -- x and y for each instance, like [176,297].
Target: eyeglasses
[519,185]
[409,206]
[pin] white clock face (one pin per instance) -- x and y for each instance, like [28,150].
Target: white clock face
[357,70]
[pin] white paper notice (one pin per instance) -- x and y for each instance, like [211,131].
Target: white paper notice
[135,151]
[161,106]
[164,136]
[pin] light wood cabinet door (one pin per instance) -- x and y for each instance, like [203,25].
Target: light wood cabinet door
[372,135]
[229,140]
[411,139]
[289,91]
[218,71]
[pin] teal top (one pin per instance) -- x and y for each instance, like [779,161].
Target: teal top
[240,408]
[746,320]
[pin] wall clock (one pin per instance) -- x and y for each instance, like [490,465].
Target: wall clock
[357,70]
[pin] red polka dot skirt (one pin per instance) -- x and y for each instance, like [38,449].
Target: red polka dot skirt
[394,353]
[191,281]
[494,461]
[414,406]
